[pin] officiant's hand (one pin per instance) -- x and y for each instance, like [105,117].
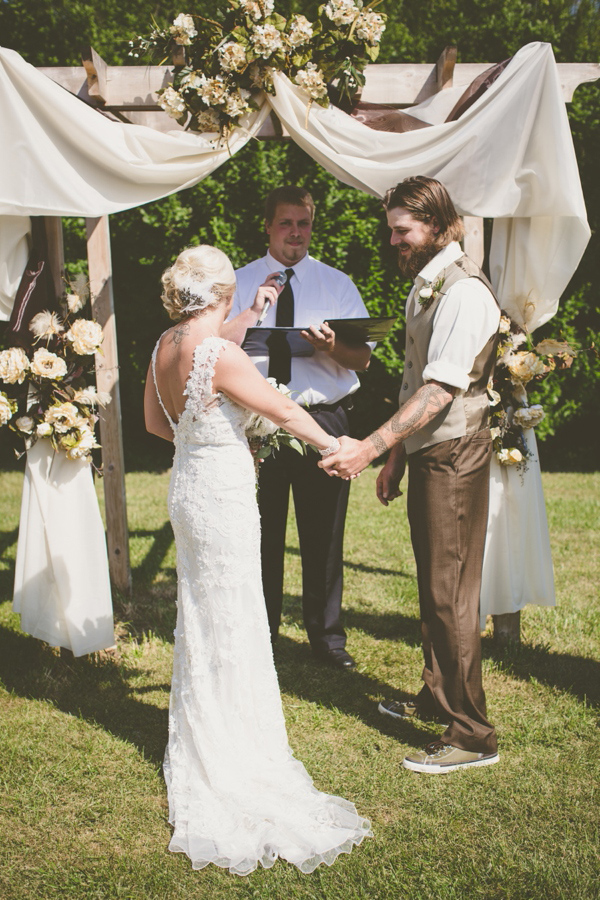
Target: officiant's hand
[388,481]
[350,460]
[322,337]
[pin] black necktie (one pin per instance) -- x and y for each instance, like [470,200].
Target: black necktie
[280,355]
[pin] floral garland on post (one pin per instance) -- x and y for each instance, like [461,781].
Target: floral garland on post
[47,393]
[225,63]
[516,371]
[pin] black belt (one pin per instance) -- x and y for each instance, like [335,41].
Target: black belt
[346,403]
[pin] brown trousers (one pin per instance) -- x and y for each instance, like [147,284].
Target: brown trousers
[447,510]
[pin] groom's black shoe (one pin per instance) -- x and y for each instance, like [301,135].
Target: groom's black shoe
[337,657]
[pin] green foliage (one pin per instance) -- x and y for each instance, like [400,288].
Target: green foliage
[226,208]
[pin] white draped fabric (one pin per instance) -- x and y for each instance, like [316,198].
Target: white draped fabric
[509,157]
[62,589]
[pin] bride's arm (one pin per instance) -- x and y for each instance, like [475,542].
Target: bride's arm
[156,421]
[237,377]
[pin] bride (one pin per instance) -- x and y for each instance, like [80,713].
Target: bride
[237,796]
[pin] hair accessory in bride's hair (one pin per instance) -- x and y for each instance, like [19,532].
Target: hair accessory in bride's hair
[197,295]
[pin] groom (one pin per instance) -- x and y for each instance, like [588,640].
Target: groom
[441,429]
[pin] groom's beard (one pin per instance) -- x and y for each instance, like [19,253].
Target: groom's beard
[412,264]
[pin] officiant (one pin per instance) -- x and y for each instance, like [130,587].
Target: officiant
[324,382]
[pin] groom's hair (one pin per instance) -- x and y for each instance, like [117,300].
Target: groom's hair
[288,194]
[425,198]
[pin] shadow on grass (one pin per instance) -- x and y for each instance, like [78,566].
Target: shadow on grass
[360,567]
[575,675]
[95,688]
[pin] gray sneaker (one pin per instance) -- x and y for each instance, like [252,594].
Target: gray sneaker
[438,758]
[405,709]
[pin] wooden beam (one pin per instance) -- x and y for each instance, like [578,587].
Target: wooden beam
[444,68]
[107,379]
[96,72]
[400,84]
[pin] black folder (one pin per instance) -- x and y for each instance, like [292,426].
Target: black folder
[351,331]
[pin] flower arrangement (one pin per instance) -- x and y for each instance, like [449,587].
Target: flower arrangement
[265,437]
[225,63]
[46,390]
[516,371]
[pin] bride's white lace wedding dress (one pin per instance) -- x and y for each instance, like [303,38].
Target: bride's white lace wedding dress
[237,796]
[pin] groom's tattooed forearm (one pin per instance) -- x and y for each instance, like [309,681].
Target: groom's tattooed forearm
[180,332]
[417,412]
[378,442]
[430,400]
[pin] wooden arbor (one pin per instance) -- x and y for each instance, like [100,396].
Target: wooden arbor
[128,94]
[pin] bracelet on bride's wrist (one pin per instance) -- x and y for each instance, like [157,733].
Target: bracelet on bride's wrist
[333,448]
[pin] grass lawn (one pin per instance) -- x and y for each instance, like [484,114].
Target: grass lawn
[82,800]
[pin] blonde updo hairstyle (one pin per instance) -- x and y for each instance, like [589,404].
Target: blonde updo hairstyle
[199,279]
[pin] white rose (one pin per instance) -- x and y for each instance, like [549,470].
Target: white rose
[495,433]
[25,424]
[44,429]
[301,31]
[341,12]
[370,27]
[48,365]
[426,292]
[257,9]
[14,365]
[86,336]
[208,121]
[233,57]
[311,81]
[266,39]
[259,426]
[529,416]
[213,91]
[183,29]
[172,103]
[80,447]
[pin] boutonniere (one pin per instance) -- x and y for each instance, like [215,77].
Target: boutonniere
[430,292]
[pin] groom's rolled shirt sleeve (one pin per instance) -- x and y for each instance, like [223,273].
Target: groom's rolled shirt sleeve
[466,317]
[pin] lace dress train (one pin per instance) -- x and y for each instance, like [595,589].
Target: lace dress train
[237,796]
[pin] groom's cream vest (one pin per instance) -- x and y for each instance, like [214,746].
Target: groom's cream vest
[469,410]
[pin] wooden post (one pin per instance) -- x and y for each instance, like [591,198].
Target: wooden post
[56,253]
[107,379]
[473,242]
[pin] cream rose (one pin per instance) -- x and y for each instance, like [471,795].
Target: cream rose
[25,424]
[509,456]
[63,416]
[529,416]
[14,365]
[301,31]
[341,12]
[172,103]
[183,29]
[86,336]
[311,81]
[266,39]
[524,366]
[48,365]
[7,408]
[44,429]
[233,57]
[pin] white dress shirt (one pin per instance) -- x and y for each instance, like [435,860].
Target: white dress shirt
[465,319]
[320,293]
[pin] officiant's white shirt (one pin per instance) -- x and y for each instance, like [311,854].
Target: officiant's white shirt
[320,293]
[465,319]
